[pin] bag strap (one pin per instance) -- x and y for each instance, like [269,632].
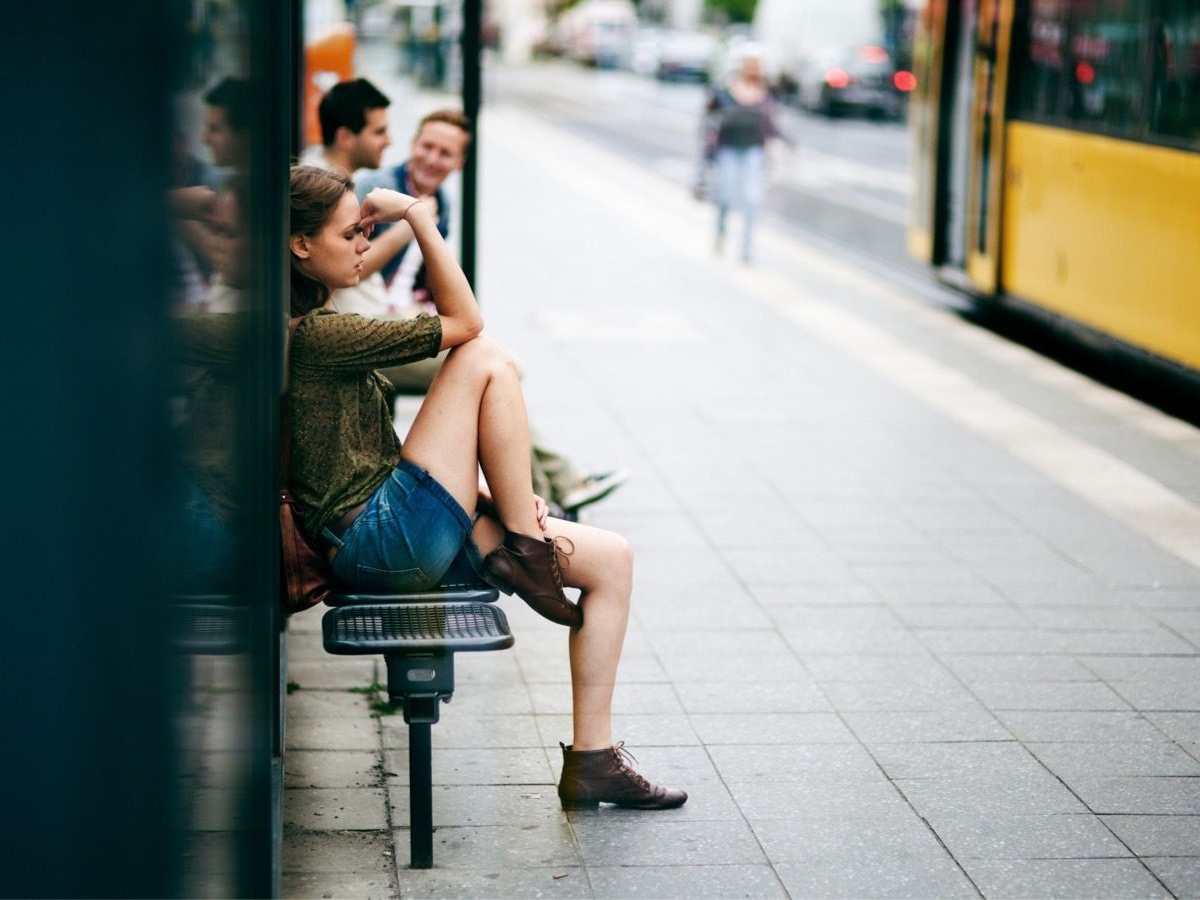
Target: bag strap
[285,415]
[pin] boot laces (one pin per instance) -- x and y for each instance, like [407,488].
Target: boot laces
[560,556]
[625,761]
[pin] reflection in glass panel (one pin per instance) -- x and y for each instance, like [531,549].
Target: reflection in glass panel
[211,409]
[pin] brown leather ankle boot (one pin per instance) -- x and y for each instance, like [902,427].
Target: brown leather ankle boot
[592,777]
[528,567]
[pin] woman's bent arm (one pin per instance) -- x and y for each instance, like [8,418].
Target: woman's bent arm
[451,292]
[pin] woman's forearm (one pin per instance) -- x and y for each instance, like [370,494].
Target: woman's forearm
[451,292]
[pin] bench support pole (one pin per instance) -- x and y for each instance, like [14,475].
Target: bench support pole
[418,683]
[420,795]
[418,636]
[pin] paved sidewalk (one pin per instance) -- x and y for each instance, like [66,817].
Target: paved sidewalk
[917,613]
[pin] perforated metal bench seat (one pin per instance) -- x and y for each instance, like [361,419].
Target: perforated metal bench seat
[463,593]
[418,635]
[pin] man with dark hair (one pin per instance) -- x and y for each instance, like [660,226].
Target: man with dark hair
[227,122]
[354,127]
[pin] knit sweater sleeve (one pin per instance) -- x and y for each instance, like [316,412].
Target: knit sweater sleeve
[343,442]
[347,343]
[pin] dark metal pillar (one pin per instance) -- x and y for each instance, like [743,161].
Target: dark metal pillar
[472,83]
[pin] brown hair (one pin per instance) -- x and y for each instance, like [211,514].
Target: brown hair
[314,194]
[450,116]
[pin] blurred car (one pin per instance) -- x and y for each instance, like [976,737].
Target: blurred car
[600,32]
[685,55]
[859,80]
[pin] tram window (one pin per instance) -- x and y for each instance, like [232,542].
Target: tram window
[1175,70]
[1128,68]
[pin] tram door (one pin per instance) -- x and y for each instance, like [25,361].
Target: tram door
[958,95]
[970,160]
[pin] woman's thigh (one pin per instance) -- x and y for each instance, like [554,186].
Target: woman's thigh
[444,436]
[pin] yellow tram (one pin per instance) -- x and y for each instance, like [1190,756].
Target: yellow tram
[1057,162]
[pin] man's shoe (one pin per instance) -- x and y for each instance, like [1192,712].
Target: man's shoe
[592,777]
[529,567]
[591,489]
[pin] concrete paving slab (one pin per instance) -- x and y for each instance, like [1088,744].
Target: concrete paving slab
[1181,876]
[344,852]
[762,728]
[315,885]
[1085,727]
[332,734]
[751,696]
[701,882]
[1030,792]
[1049,695]
[335,809]
[1180,726]
[1157,835]
[769,801]
[463,731]
[958,759]
[331,769]
[527,848]
[321,704]
[900,878]
[790,762]
[886,841]
[962,724]
[897,696]
[483,766]
[1116,760]
[1110,878]
[986,834]
[972,668]
[335,672]
[1161,795]
[664,839]
[482,804]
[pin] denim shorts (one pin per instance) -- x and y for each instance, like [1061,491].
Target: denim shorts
[411,536]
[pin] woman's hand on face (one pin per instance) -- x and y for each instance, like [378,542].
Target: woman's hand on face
[383,205]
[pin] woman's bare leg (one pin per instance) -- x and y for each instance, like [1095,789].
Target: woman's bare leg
[475,411]
[601,566]
[474,415]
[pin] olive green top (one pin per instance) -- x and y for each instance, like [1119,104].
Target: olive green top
[343,442]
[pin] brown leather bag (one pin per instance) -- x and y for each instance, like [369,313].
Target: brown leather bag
[305,578]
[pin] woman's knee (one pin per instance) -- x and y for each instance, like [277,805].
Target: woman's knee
[485,354]
[617,558]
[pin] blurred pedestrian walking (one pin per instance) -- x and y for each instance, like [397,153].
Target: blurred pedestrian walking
[743,121]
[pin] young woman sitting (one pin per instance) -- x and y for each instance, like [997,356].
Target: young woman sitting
[407,518]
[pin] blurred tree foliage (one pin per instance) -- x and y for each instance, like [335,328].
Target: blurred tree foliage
[734,11]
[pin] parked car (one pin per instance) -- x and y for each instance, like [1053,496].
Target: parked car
[685,55]
[600,32]
[859,80]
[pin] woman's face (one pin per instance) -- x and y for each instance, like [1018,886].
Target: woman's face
[334,256]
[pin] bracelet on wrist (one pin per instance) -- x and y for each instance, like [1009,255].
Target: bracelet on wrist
[407,209]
